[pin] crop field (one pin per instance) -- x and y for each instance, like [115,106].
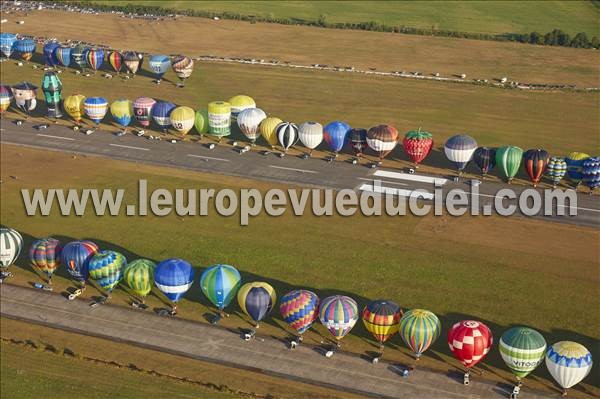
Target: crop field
[465,16]
[306,45]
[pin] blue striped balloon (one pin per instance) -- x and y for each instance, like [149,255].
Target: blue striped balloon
[459,150]
[95,108]
[336,134]
[94,58]
[220,283]
[7,43]
[49,53]
[174,277]
[26,47]
[63,55]
[161,112]
[76,256]
[159,64]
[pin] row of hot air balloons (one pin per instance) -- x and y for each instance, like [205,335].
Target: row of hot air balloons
[523,349]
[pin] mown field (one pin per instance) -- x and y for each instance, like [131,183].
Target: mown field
[305,45]
[493,269]
[494,17]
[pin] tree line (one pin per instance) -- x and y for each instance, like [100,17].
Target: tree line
[554,38]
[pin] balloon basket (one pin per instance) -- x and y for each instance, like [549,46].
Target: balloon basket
[466,379]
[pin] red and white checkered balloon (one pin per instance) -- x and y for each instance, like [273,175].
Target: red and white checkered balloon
[470,341]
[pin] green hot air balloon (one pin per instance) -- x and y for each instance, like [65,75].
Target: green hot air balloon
[106,268]
[522,349]
[139,276]
[201,121]
[508,161]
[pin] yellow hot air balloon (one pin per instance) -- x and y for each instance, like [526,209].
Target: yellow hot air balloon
[267,130]
[122,112]
[73,105]
[182,119]
[240,103]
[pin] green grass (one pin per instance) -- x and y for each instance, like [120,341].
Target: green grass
[494,17]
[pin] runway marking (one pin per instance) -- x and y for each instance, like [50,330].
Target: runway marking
[56,137]
[383,181]
[396,191]
[293,169]
[130,147]
[210,158]
[406,176]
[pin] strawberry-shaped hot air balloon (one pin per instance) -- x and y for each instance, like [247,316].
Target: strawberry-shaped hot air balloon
[417,145]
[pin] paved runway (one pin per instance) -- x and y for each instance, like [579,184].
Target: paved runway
[224,159]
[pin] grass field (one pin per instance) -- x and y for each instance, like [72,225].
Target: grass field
[457,267]
[305,45]
[494,17]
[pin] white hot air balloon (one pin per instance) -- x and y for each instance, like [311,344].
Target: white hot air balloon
[287,134]
[11,244]
[459,150]
[249,121]
[311,135]
[568,362]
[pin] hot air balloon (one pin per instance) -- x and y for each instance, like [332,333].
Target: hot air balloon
[417,145]
[338,314]
[591,173]
[182,119]
[25,94]
[122,112]
[142,109]
[115,59]
[267,130]
[256,299]
[183,67]
[6,97]
[174,277]
[62,55]
[469,341]
[11,243]
[159,64]
[25,47]
[106,268]
[201,122]
[50,53]
[335,134]
[95,108]
[311,135]
[44,255]
[382,139]
[485,159]
[78,53]
[139,276]
[287,135]
[459,150]
[132,61]
[249,121]
[381,318]
[94,58]
[556,170]
[568,363]
[220,283]
[575,166]
[239,103]
[219,119]
[535,163]
[52,89]
[7,43]
[522,349]
[358,141]
[74,107]
[76,256]
[419,328]
[299,309]
[161,112]
[508,160]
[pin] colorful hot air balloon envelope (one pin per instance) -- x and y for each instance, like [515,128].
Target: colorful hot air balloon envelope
[358,141]
[201,121]
[335,134]
[267,130]
[159,65]
[62,55]
[522,349]
[78,54]
[182,119]
[338,314]
[382,139]
[7,43]
[25,94]
[219,119]
[94,58]
[417,145]
[73,105]
[95,108]
[115,59]
[381,318]
[174,277]
[485,159]
[44,254]
[575,166]
[249,121]
[142,109]
[6,97]
[161,112]
[132,61]
[183,67]
[11,244]
[106,268]
[535,162]
[220,283]
[52,89]
[25,47]
[76,256]
[508,160]
[419,328]
[239,103]
[287,135]
[470,341]
[310,134]
[139,276]
[568,363]
[49,53]
[459,150]
[556,170]
[256,299]
[591,172]
[122,112]
[299,309]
